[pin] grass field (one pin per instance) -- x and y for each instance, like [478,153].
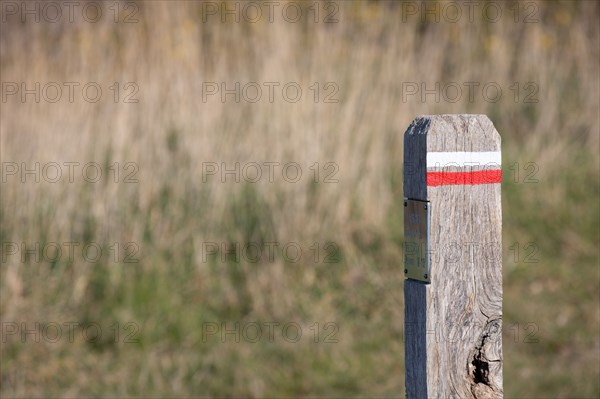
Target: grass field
[159,293]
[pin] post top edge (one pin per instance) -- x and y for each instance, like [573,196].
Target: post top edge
[454,132]
[445,116]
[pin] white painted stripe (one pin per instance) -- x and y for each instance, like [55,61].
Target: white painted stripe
[441,159]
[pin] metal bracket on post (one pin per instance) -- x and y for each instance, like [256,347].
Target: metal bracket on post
[417,217]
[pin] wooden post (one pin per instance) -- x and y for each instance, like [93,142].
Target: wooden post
[453,258]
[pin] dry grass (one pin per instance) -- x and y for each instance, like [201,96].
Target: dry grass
[171,292]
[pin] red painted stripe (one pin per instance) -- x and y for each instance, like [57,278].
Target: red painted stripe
[466,178]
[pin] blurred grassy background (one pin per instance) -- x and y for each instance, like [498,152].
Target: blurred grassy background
[170,132]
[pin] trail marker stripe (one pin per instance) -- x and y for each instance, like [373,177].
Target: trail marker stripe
[463,178]
[442,159]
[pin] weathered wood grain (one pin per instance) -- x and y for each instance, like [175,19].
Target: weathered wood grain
[453,340]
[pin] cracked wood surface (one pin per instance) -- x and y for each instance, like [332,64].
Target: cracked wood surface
[453,326]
